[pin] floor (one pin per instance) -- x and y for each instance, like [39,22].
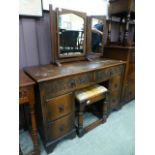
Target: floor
[115,137]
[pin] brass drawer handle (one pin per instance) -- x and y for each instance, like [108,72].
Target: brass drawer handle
[61,108]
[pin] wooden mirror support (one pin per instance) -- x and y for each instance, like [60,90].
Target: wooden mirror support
[95,36]
[68,35]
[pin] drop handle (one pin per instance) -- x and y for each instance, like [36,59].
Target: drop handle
[72,83]
[61,108]
[61,128]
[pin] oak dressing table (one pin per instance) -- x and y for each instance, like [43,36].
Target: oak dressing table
[71,71]
[55,93]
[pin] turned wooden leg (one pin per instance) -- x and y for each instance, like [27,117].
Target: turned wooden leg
[109,31]
[126,34]
[34,130]
[106,105]
[120,31]
[80,118]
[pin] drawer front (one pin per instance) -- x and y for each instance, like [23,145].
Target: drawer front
[130,90]
[25,93]
[115,83]
[67,84]
[60,127]
[60,106]
[115,100]
[84,80]
[105,74]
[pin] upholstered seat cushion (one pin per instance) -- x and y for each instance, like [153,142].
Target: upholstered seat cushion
[90,92]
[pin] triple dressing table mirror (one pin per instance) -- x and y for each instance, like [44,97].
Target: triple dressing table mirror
[68,31]
[95,32]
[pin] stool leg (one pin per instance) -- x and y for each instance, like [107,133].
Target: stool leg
[105,106]
[80,118]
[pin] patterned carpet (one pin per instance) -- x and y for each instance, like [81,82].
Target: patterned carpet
[115,137]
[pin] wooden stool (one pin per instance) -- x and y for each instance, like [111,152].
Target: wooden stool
[88,96]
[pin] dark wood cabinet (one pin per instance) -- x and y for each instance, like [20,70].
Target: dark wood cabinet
[126,54]
[123,48]
[55,94]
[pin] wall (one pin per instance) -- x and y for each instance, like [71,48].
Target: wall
[34,41]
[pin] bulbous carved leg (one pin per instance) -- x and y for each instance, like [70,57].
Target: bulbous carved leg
[126,34]
[106,106]
[109,31]
[80,118]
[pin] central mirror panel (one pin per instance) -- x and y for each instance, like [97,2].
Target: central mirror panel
[71,35]
[97,41]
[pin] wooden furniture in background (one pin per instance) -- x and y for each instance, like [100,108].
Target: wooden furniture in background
[26,95]
[86,98]
[125,11]
[126,54]
[55,94]
[123,49]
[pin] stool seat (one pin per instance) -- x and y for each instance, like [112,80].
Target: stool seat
[95,95]
[90,93]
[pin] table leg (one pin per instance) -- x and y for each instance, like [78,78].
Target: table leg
[34,129]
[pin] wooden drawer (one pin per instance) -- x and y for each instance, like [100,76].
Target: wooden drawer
[64,85]
[115,100]
[105,74]
[84,80]
[25,94]
[60,106]
[60,127]
[115,83]
[130,90]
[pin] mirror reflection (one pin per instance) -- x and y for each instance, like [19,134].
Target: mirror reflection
[97,35]
[71,35]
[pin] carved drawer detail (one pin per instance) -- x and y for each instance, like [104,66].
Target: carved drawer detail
[67,84]
[102,75]
[84,79]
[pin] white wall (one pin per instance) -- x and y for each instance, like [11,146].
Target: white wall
[91,7]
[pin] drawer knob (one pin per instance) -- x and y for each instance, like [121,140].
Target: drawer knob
[61,128]
[61,108]
[72,83]
[88,102]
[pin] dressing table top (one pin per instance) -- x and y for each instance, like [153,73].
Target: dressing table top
[50,72]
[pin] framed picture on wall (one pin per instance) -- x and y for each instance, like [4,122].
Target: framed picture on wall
[31,8]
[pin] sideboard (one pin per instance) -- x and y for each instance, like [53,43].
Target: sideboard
[55,89]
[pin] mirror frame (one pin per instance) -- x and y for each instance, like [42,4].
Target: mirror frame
[90,53]
[54,21]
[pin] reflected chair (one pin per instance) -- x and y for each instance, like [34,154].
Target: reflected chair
[69,41]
